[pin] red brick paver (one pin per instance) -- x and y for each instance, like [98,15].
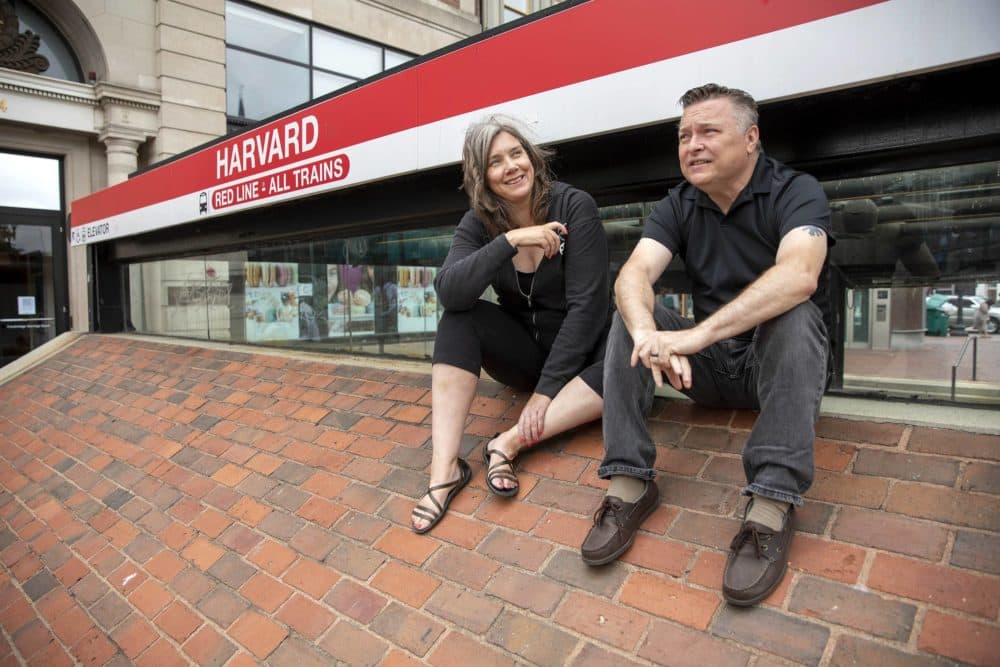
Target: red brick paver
[167,504]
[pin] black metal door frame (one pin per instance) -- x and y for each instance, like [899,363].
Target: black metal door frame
[55,221]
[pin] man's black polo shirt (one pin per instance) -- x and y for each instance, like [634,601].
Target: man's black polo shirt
[723,253]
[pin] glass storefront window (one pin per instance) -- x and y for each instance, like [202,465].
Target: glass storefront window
[904,239]
[901,238]
[324,82]
[918,227]
[345,55]
[275,62]
[370,294]
[516,9]
[191,298]
[29,182]
[258,87]
[393,58]
[267,32]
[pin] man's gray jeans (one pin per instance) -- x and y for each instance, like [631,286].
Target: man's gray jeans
[783,373]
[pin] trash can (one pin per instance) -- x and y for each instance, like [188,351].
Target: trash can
[937,322]
[937,318]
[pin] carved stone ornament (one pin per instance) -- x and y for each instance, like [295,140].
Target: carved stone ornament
[18,50]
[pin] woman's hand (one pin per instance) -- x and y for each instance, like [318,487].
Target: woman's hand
[532,422]
[544,236]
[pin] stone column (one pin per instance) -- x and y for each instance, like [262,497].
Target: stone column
[123,153]
[907,318]
[126,118]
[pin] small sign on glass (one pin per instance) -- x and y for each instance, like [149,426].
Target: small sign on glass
[26,305]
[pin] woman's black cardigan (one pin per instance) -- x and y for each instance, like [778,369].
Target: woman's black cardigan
[570,309]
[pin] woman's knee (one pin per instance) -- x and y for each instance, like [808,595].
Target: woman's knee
[456,342]
[457,319]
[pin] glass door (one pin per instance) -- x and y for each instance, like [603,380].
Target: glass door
[859,318]
[32,281]
[33,300]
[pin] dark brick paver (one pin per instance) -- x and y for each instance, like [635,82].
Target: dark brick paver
[170,504]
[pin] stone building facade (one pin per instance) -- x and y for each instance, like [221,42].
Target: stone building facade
[152,83]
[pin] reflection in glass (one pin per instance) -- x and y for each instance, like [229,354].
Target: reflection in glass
[366,294]
[271,301]
[345,55]
[259,87]
[900,237]
[178,298]
[918,227]
[29,182]
[267,33]
[919,251]
[27,297]
[263,83]
[393,58]
[324,83]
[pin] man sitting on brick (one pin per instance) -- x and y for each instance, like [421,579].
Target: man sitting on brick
[753,235]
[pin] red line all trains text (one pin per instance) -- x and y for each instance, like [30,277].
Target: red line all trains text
[324,171]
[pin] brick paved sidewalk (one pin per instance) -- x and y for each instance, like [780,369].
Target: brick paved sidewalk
[166,504]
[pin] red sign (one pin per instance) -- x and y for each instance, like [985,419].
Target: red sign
[320,172]
[632,32]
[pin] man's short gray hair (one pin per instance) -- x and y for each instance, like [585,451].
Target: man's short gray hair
[743,102]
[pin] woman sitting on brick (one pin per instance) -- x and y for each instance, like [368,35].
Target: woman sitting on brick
[541,246]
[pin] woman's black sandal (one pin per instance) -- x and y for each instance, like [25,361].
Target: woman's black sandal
[492,473]
[436,513]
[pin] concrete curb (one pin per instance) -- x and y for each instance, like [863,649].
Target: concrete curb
[38,355]
[976,420]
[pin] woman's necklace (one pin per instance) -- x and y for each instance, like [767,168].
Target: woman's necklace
[531,285]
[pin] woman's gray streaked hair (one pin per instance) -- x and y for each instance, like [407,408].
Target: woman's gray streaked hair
[491,209]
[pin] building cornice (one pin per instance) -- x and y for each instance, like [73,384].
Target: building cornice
[106,109]
[136,98]
[102,93]
[43,86]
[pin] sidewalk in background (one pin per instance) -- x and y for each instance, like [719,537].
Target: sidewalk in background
[170,503]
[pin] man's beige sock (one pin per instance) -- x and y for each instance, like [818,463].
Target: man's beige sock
[629,489]
[768,512]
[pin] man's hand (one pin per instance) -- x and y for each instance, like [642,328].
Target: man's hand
[667,352]
[532,421]
[544,236]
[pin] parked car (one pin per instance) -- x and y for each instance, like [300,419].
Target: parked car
[969,306]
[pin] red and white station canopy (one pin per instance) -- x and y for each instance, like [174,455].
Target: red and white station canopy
[593,68]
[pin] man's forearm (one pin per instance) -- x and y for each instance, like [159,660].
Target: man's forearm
[634,300]
[775,292]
